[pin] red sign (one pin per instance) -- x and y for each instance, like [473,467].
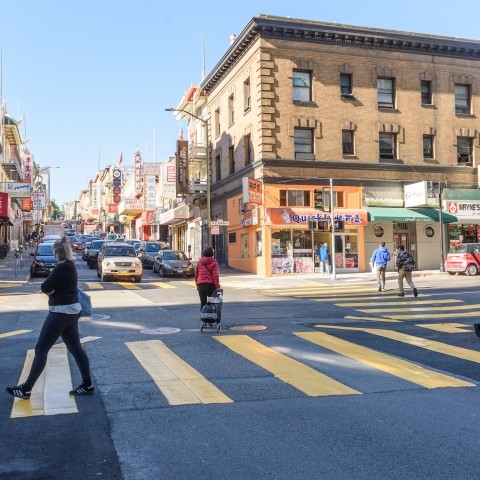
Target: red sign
[27,204]
[112,208]
[4,204]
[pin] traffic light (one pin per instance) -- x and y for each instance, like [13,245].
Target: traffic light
[318,199]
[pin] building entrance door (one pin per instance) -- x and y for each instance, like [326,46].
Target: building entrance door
[406,234]
[346,252]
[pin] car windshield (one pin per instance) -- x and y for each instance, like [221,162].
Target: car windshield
[458,249]
[153,247]
[74,239]
[45,250]
[174,256]
[120,251]
[97,245]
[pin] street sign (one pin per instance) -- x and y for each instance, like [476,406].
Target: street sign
[220,223]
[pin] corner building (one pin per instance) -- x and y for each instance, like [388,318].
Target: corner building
[309,108]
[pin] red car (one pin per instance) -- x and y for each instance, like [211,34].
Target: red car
[76,243]
[463,258]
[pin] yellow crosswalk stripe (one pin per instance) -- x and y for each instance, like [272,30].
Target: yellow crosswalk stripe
[414,308]
[94,285]
[190,283]
[129,285]
[432,345]
[354,298]
[371,319]
[422,316]
[162,284]
[177,380]
[50,393]
[400,368]
[400,302]
[15,332]
[447,327]
[296,374]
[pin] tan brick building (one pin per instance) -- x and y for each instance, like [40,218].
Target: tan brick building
[296,104]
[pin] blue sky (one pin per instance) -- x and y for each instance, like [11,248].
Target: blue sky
[93,77]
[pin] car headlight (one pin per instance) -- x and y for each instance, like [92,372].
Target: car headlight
[107,263]
[167,267]
[137,262]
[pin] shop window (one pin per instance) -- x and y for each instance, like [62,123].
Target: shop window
[245,245]
[258,244]
[232,237]
[294,198]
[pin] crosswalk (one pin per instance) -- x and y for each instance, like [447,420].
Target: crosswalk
[321,362]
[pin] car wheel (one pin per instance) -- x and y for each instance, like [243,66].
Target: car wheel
[471,270]
[161,272]
[103,278]
[98,274]
[138,279]
[154,270]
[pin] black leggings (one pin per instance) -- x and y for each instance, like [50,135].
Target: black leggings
[205,290]
[59,325]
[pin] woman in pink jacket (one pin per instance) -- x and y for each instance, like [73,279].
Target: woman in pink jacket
[207,276]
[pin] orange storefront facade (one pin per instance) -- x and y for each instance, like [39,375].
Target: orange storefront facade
[277,237]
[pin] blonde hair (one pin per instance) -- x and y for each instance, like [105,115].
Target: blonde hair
[63,250]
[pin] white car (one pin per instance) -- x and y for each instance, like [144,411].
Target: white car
[118,260]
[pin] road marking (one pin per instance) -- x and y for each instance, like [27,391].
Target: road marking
[371,319]
[177,380]
[190,283]
[447,327]
[95,285]
[50,393]
[129,285]
[434,315]
[400,368]
[414,308]
[432,345]
[296,374]
[337,299]
[9,285]
[15,332]
[162,284]
[400,302]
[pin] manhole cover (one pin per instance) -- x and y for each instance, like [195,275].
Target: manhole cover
[160,331]
[248,328]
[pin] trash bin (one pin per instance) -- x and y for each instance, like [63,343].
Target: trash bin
[3,251]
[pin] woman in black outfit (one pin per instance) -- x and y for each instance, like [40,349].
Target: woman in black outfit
[62,321]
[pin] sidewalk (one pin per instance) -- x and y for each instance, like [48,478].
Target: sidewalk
[13,270]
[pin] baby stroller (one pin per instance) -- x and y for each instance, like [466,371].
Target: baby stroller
[212,312]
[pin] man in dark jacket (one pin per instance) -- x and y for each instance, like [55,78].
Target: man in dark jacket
[405,264]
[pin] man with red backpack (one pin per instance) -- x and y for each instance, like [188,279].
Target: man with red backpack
[405,264]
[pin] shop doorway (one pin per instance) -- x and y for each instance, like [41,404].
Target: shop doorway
[346,252]
[406,234]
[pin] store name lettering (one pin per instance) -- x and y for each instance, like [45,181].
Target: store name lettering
[347,218]
[469,206]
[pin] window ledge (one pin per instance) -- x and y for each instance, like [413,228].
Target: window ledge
[349,156]
[347,96]
[247,110]
[428,105]
[231,125]
[465,115]
[388,109]
[304,104]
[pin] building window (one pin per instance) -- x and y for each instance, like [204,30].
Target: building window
[387,146]
[464,151]
[218,173]
[231,110]
[302,86]
[246,94]
[347,142]
[231,159]
[338,201]
[247,145]
[426,89]
[303,144]
[428,146]
[386,94]
[217,122]
[294,198]
[462,99]
[345,84]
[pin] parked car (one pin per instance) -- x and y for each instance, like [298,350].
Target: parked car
[44,260]
[148,250]
[172,262]
[51,238]
[463,258]
[93,253]
[118,260]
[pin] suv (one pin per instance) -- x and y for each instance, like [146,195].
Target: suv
[118,260]
[463,258]
[93,253]
[148,251]
[44,260]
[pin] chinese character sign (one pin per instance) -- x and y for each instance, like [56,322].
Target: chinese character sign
[182,167]
[138,172]
[150,190]
[252,191]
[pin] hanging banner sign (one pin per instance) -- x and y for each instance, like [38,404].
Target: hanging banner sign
[252,191]
[182,167]
[18,189]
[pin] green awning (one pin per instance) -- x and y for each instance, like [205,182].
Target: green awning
[395,214]
[465,194]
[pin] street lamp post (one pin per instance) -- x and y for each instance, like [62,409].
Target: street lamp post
[207,154]
[431,194]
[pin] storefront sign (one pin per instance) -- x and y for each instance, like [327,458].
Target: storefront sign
[182,167]
[252,191]
[138,172]
[38,200]
[150,192]
[416,195]
[301,216]
[18,189]
[464,208]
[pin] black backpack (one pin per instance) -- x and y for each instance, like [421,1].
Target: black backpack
[408,263]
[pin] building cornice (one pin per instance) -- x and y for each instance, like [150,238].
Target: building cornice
[285,28]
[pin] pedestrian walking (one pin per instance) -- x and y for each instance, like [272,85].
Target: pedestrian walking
[62,321]
[405,265]
[379,260]
[207,276]
[324,258]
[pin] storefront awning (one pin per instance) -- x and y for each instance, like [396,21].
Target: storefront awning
[395,214]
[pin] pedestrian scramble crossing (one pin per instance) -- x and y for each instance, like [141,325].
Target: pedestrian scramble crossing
[383,306]
[323,360]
